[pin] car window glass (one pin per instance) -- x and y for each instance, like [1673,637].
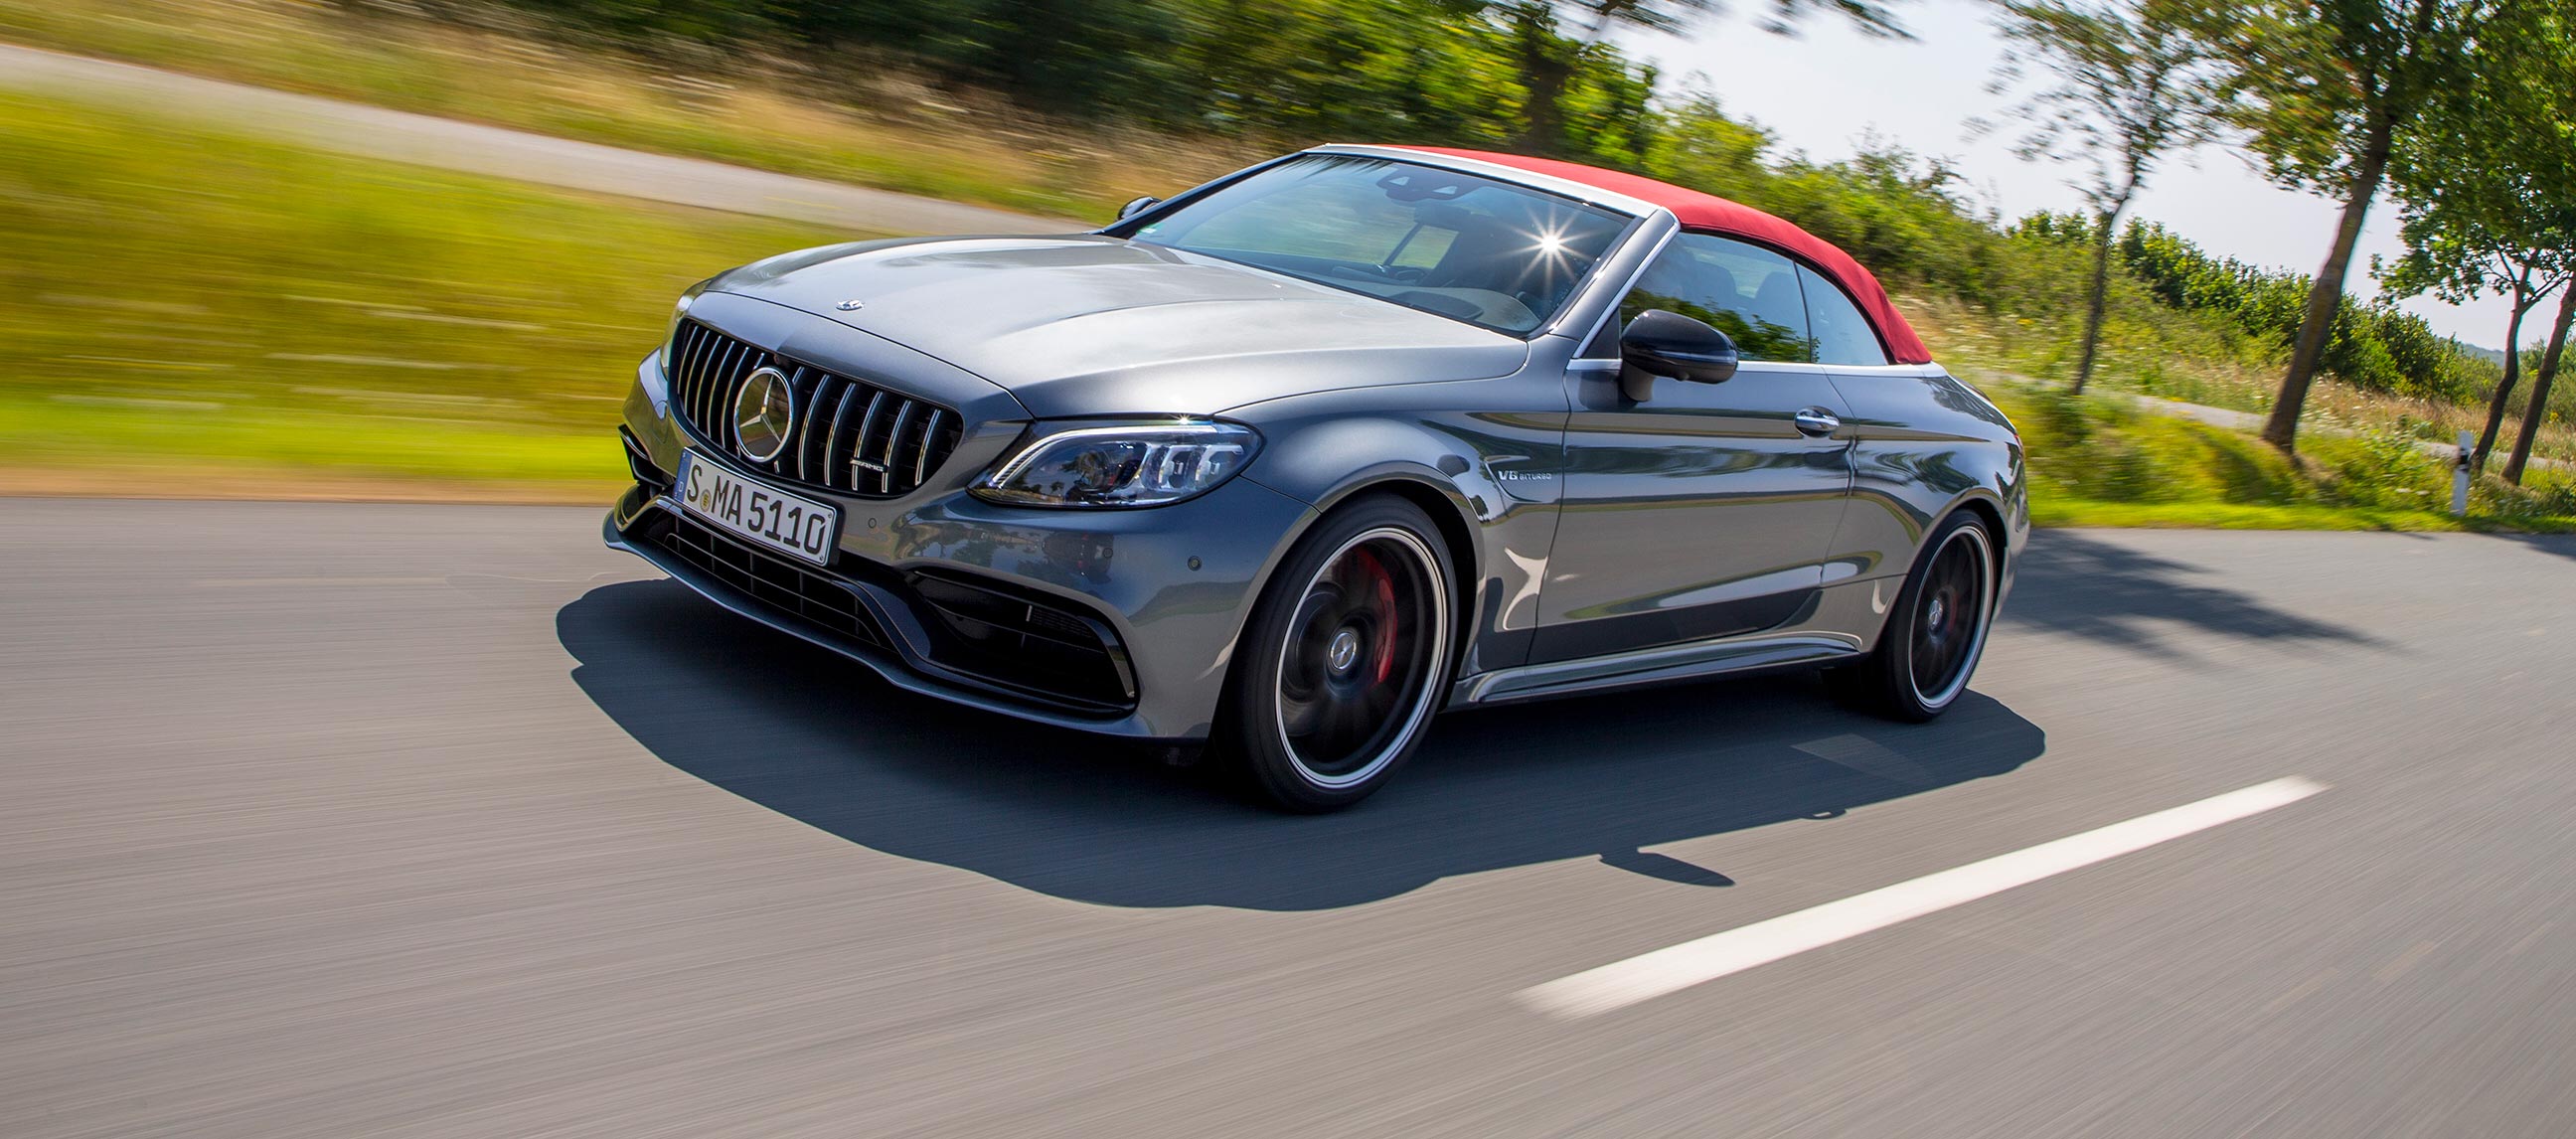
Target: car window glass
[1745,291]
[1314,217]
[1843,335]
[1487,252]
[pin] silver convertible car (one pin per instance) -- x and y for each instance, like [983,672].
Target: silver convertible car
[1286,464]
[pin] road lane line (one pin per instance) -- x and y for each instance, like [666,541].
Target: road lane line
[1666,971]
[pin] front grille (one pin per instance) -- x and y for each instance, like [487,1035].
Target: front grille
[850,436]
[775,582]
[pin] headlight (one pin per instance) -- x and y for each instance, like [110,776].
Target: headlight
[680,308]
[1132,464]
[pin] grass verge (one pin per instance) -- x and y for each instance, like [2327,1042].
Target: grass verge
[185,300]
[871,125]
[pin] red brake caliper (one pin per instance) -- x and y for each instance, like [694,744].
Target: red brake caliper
[1382,591]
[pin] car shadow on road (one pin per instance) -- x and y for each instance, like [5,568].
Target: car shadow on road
[821,740]
[2073,583]
[2562,545]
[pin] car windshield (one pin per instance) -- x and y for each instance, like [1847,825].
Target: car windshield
[1489,253]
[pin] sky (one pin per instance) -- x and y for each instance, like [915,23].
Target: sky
[1821,91]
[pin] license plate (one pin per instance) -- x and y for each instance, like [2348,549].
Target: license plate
[759,513]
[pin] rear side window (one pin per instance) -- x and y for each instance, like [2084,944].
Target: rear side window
[1748,292]
[1843,335]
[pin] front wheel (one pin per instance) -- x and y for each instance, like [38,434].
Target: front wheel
[1936,631]
[1344,659]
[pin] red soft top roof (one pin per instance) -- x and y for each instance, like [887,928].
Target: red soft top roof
[1710,212]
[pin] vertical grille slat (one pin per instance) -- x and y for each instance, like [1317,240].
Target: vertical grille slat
[699,400]
[847,427]
[859,438]
[921,453]
[714,421]
[821,390]
[832,440]
[693,341]
[894,435]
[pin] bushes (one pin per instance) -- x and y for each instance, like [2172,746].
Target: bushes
[2372,346]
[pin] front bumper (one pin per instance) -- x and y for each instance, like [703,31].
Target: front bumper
[1167,589]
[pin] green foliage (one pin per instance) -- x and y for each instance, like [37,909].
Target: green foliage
[2321,87]
[2388,470]
[2099,461]
[2372,346]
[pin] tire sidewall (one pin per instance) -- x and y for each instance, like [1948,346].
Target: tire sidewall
[1895,644]
[1249,726]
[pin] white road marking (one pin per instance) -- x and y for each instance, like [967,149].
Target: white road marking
[1666,971]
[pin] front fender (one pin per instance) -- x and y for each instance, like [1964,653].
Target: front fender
[1489,478]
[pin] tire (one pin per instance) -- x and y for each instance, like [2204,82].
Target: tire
[1345,659]
[1936,631]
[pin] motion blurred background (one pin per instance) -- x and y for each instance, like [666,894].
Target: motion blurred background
[220,296]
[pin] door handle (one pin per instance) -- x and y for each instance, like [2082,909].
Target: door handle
[1817,421]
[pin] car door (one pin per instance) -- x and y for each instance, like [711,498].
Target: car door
[1705,509]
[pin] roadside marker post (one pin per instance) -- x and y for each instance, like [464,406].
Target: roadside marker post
[2460,475]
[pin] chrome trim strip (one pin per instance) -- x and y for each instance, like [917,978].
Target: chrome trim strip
[894,438]
[832,442]
[1611,309]
[717,382]
[1695,660]
[859,446]
[804,423]
[700,365]
[921,457]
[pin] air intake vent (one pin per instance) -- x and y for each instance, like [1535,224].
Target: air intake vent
[849,435]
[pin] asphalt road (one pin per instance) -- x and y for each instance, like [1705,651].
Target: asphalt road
[334,820]
[375,132]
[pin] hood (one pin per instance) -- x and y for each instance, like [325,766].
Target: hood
[1091,325]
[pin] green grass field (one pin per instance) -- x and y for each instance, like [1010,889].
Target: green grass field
[185,298]
[765,112]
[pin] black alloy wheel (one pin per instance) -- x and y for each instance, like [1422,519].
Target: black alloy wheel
[1345,659]
[1936,631]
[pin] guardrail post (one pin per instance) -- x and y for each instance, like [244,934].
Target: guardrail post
[2460,475]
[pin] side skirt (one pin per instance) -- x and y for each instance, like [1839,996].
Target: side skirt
[1693,661]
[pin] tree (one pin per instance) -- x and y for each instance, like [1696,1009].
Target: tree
[1549,59]
[2324,90]
[2536,88]
[2540,381]
[2134,81]
[2490,194]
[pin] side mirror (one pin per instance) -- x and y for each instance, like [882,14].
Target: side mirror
[1136,207]
[1661,343]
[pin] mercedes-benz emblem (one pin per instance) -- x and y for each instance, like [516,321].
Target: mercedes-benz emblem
[851,305]
[764,414]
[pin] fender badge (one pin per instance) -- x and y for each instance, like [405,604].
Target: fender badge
[851,306]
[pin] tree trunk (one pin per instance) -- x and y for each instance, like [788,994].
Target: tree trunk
[2504,388]
[2530,432]
[1546,65]
[2099,298]
[2324,297]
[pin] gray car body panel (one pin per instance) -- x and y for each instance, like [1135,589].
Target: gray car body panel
[1600,543]
[1087,325]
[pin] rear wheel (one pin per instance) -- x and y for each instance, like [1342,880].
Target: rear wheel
[1936,631]
[1344,660]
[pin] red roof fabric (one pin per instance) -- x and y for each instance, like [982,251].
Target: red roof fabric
[1715,214]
